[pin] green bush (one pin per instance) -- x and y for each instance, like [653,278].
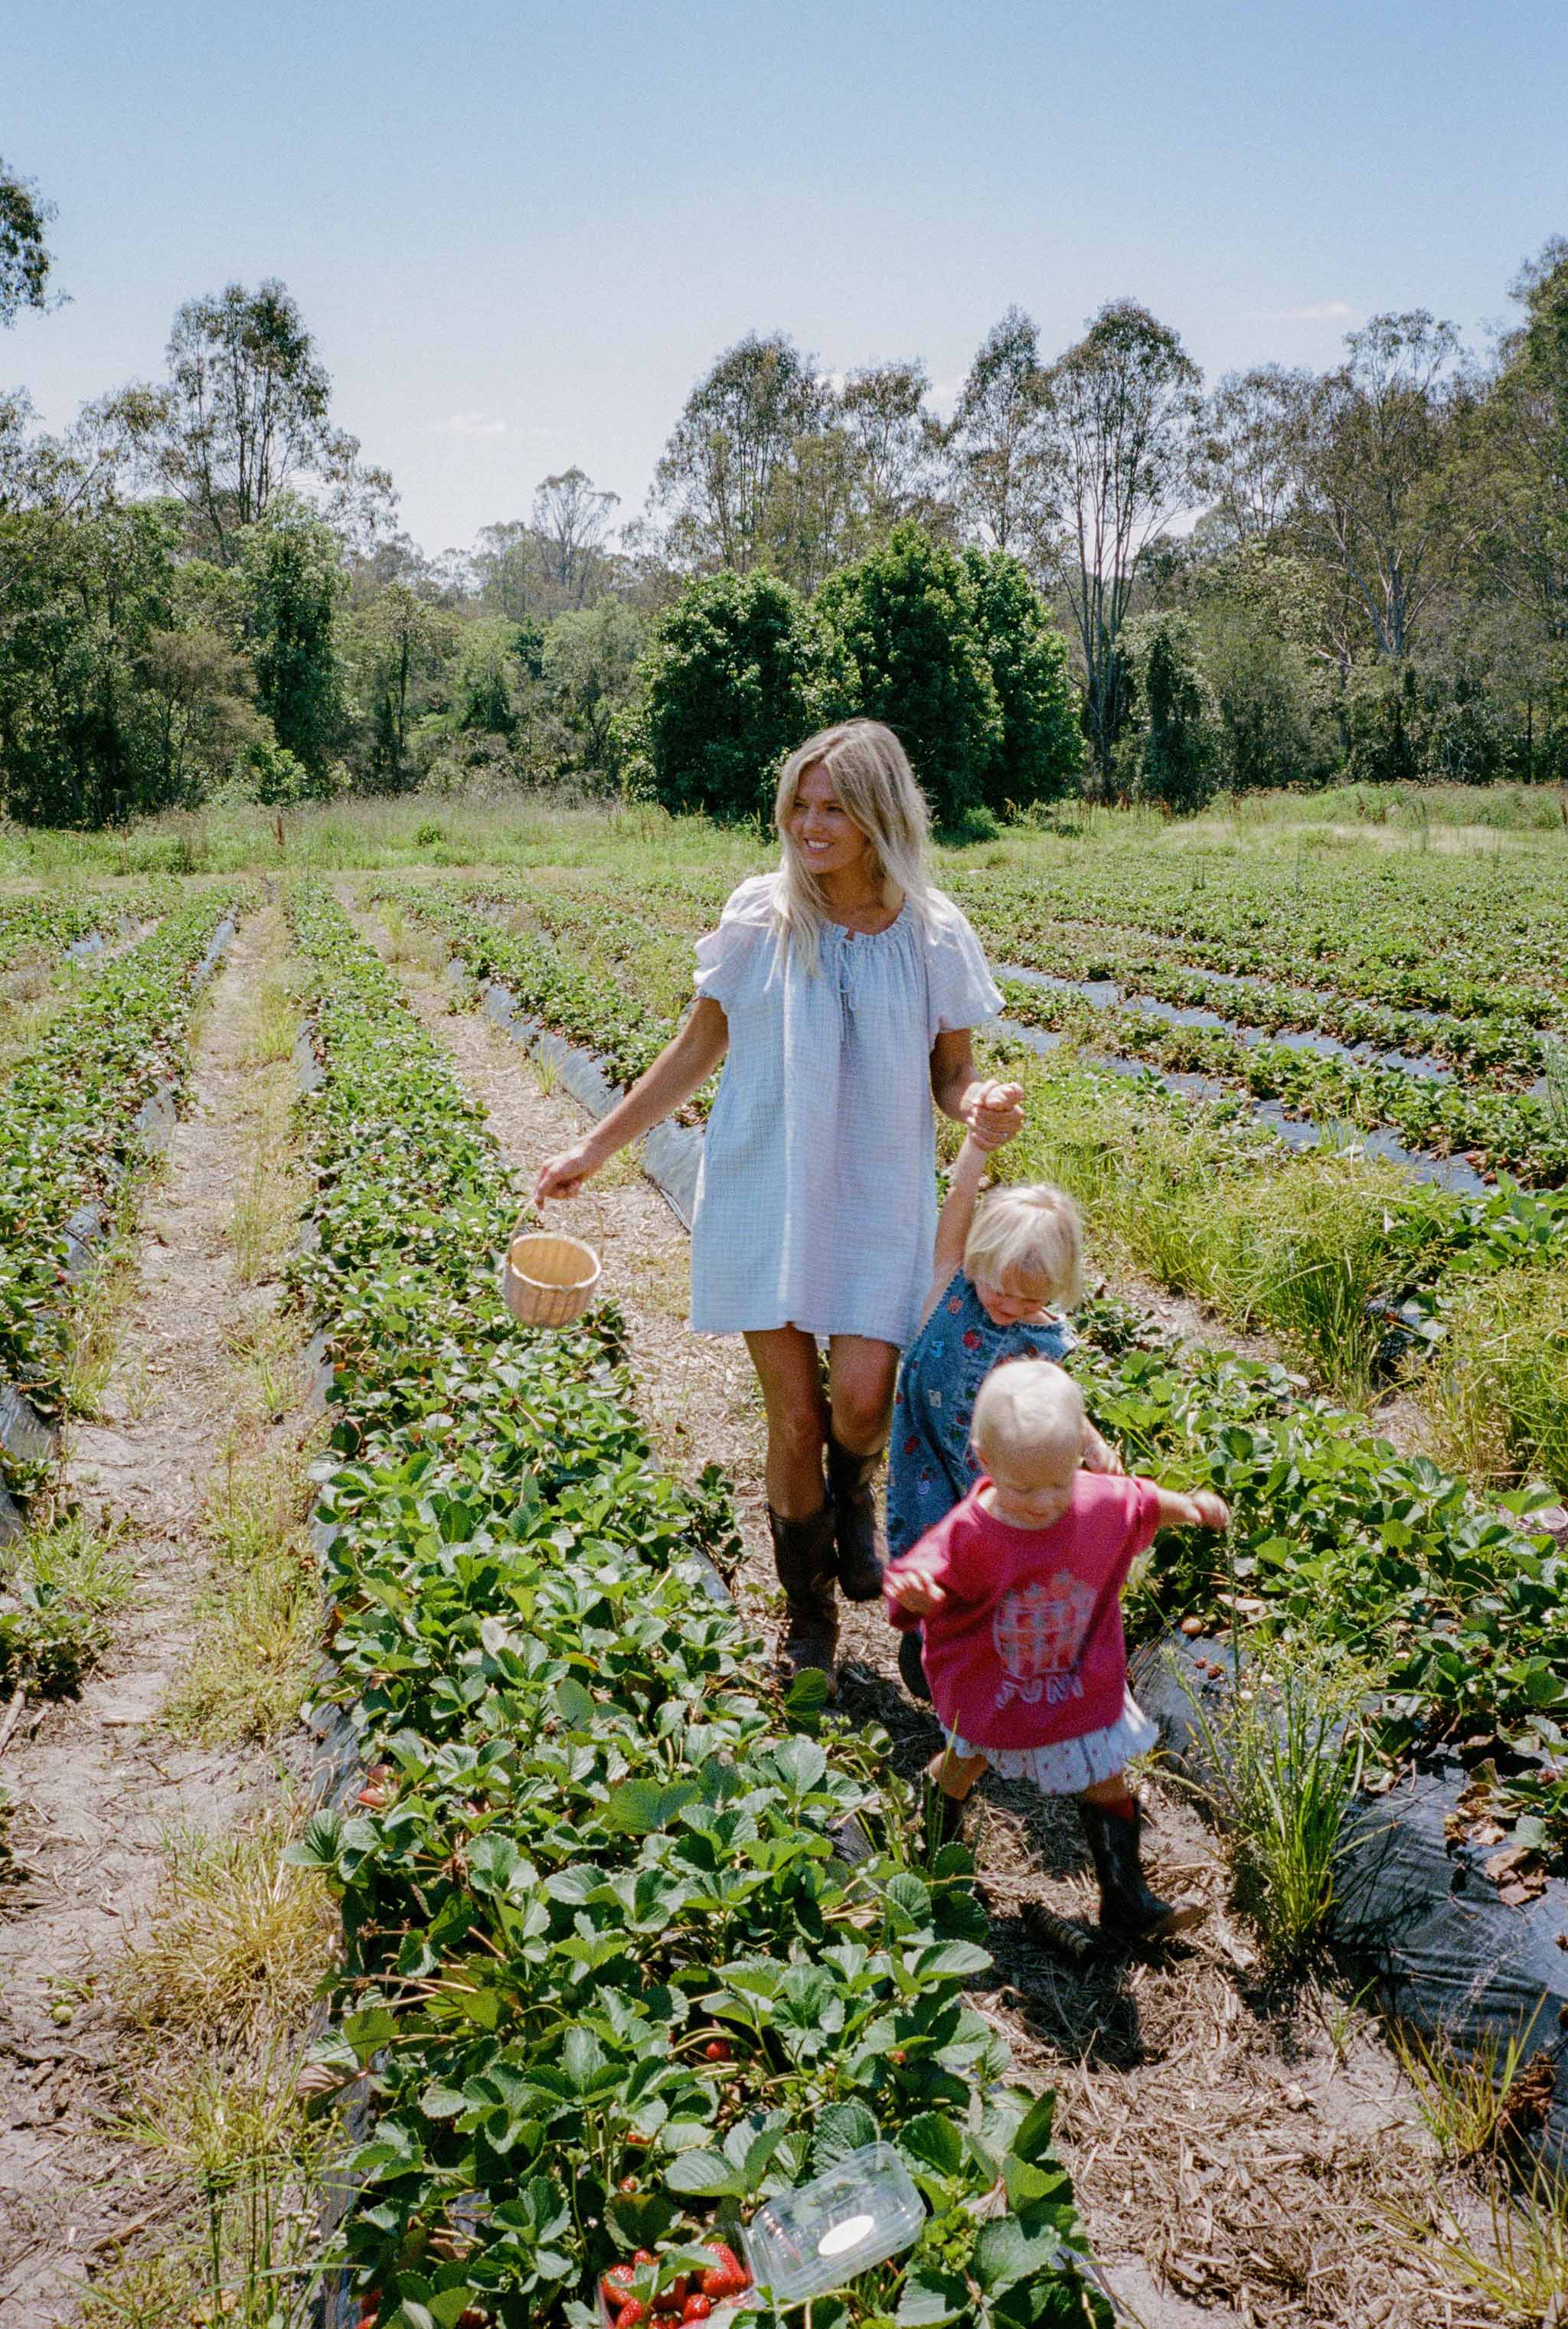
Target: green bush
[1170,746]
[906,647]
[730,686]
[1041,754]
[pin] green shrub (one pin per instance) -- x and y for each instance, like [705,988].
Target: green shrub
[730,686]
[906,649]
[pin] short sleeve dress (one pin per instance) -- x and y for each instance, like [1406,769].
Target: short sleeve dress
[930,1465]
[815,1203]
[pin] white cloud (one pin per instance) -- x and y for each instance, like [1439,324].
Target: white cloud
[1316,311]
[472,425]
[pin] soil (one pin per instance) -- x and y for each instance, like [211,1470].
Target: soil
[1243,2155]
[98,1784]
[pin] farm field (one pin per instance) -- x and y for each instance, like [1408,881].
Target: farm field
[610,1942]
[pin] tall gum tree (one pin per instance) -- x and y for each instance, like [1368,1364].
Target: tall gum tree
[1120,412]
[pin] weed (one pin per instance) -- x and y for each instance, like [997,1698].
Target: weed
[66,1578]
[1519,2263]
[241,2150]
[238,1937]
[1479,2102]
[1499,1396]
[252,1666]
[1282,1761]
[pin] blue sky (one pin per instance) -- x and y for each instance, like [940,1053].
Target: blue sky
[519,232]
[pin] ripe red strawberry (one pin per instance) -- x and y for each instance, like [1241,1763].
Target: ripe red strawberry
[697,2307]
[631,2313]
[615,2285]
[718,2049]
[643,2256]
[627,2184]
[727,2275]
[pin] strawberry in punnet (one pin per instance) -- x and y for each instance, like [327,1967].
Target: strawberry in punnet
[632,2313]
[671,2299]
[696,2308]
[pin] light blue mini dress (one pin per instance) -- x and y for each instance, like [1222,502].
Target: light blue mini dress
[816,1203]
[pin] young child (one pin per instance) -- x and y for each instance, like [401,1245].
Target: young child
[995,1272]
[1020,1589]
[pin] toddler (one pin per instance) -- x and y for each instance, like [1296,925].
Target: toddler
[995,1272]
[1020,1590]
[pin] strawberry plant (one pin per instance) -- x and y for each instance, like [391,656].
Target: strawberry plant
[607,1975]
[67,1124]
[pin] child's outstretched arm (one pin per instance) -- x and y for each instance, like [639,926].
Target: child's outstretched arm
[1203,1510]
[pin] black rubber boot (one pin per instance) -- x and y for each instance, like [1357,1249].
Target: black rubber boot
[1128,1910]
[911,1664]
[803,1555]
[861,1549]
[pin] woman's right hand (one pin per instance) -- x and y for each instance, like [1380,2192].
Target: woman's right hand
[563,1176]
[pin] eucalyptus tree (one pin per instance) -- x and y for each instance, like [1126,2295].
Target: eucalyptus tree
[998,438]
[243,419]
[572,519]
[1377,501]
[1119,413]
[26,260]
[1248,450]
[1523,441]
[718,479]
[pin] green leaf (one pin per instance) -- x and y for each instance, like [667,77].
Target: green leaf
[801,1764]
[1032,2139]
[706,2176]
[582,2060]
[645,1806]
[1005,2254]
[841,2128]
[934,2142]
[929,2299]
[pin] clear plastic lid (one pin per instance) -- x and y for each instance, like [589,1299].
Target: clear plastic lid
[819,2237]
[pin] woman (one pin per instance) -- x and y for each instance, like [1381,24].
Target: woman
[843,989]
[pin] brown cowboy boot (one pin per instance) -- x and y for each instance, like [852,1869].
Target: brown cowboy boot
[861,1549]
[803,1556]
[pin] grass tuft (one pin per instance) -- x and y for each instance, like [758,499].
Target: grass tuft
[1282,1759]
[238,1937]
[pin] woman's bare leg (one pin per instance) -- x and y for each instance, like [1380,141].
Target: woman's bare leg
[955,1775]
[861,1374]
[788,1370]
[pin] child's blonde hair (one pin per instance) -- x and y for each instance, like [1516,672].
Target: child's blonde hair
[1029,1408]
[876,789]
[1027,1238]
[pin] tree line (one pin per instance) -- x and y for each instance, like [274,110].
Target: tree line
[1091,575]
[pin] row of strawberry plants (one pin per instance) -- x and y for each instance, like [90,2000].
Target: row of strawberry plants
[43,923]
[588,1003]
[68,1129]
[605,1970]
[1499,1048]
[1500,1131]
[1469,945]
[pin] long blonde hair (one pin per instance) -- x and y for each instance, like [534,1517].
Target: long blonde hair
[876,788]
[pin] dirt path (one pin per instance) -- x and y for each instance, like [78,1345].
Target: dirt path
[1236,2151]
[98,1785]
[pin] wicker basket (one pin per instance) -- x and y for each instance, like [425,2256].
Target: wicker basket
[549,1281]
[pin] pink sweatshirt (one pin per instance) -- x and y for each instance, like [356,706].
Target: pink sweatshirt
[1026,1649]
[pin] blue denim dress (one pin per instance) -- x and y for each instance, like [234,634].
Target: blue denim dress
[929,1466]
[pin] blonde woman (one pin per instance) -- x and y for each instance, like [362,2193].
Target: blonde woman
[840,992]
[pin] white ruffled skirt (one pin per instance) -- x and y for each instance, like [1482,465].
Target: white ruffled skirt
[1067,1766]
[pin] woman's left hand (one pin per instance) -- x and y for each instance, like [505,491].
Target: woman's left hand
[993,1113]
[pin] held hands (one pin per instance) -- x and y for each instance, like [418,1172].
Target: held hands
[563,1176]
[994,1114]
[915,1590]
